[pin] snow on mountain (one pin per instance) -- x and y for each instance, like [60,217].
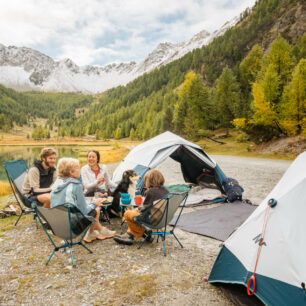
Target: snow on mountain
[27,69]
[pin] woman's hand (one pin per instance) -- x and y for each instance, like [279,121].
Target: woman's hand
[100,180]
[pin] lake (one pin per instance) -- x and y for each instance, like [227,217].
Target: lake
[30,153]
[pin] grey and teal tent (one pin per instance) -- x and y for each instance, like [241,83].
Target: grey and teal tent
[268,249]
[197,167]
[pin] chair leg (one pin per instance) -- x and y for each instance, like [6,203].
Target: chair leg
[123,227]
[164,245]
[50,257]
[177,239]
[35,218]
[70,248]
[142,243]
[85,247]
[19,218]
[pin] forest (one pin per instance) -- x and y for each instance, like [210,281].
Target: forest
[241,79]
[23,107]
[228,83]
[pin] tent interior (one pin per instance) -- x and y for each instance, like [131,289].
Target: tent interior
[182,167]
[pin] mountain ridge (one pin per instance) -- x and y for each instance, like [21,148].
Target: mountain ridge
[24,69]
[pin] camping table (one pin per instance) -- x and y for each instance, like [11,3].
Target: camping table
[105,205]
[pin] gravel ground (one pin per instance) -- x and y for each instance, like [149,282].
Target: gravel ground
[121,275]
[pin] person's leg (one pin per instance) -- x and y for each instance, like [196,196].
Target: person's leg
[133,228]
[96,225]
[44,199]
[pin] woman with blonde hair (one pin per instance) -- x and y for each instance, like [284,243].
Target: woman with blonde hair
[68,189]
[154,181]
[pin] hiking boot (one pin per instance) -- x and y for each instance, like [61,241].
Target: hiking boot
[127,239]
[89,237]
[105,233]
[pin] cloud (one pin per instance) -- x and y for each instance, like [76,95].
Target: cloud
[103,31]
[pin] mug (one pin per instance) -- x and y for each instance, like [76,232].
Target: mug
[138,200]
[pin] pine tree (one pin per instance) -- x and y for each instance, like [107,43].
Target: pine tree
[132,134]
[228,97]
[180,108]
[279,57]
[118,133]
[198,110]
[270,85]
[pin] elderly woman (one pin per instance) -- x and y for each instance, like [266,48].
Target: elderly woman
[154,181]
[95,176]
[68,189]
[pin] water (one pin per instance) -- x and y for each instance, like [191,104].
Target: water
[30,153]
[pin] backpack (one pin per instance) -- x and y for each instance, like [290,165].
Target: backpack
[233,189]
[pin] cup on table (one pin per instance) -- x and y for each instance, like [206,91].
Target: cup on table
[138,200]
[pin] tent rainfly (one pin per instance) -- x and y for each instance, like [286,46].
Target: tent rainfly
[268,249]
[197,167]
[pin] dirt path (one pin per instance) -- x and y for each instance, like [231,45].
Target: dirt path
[121,275]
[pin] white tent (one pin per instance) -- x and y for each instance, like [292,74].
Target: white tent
[281,270]
[196,165]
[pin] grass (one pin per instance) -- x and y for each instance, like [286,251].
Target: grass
[5,189]
[7,224]
[232,147]
[132,289]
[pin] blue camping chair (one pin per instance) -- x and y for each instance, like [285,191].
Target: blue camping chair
[67,222]
[16,171]
[157,216]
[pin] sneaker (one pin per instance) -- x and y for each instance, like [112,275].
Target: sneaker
[127,239]
[89,237]
[105,233]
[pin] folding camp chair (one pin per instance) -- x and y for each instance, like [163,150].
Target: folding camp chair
[67,222]
[16,171]
[166,209]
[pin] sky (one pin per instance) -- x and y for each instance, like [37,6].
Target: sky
[100,32]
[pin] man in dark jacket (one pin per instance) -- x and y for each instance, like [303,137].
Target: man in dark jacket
[40,177]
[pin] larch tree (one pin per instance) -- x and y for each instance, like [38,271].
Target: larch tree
[293,106]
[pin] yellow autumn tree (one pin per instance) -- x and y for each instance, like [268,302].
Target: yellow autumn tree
[293,106]
[180,107]
[263,113]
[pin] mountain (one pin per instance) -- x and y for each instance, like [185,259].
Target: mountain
[26,69]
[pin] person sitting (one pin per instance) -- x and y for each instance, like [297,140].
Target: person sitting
[154,181]
[40,177]
[95,176]
[68,189]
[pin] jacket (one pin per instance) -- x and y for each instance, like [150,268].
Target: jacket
[38,180]
[90,182]
[70,191]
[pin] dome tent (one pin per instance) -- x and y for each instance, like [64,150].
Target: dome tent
[197,167]
[270,245]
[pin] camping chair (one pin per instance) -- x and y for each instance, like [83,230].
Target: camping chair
[16,171]
[165,210]
[67,222]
